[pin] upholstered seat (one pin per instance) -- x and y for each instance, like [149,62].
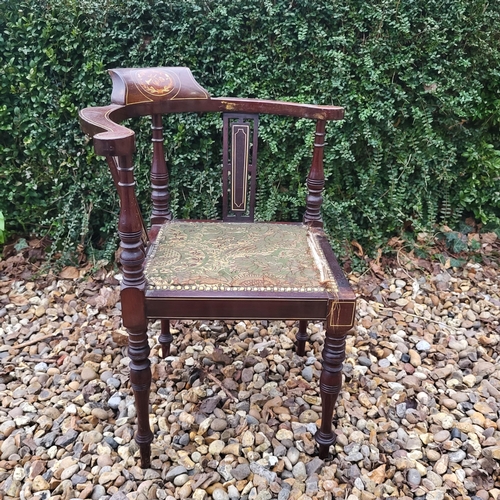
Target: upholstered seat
[238,257]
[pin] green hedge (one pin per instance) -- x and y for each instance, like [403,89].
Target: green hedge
[420,143]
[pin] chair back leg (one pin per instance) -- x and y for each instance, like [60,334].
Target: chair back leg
[301,338]
[165,338]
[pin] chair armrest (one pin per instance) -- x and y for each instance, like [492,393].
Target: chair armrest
[283,108]
[102,124]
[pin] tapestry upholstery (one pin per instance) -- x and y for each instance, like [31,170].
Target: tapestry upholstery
[237,256]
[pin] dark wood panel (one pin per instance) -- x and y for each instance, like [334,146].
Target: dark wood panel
[231,308]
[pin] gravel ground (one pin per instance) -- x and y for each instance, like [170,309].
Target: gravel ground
[234,409]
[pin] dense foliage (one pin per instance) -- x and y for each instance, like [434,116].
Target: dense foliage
[419,79]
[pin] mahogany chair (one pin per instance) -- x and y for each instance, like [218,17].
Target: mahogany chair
[232,268]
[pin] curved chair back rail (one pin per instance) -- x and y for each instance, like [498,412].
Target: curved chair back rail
[102,123]
[238,270]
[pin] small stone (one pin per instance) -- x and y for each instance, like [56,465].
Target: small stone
[98,492]
[478,418]
[492,452]
[233,492]
[299,471]
[70,471]
[119,495]
[449,403]
[358,483]
[469,380]
[260,470]
[199,494]
[39,484]
[423,345]
[248,439]
[216,447]
[384,363]
[114,401]
[100,413]
[314,466]
[415,359]
[457,456]
[355,456]
[293,455]
[218,424]
[173,472]
[307,373]
[260,368]
[67,438]
[181,479]
[308,416]
[41,367]
[483,408]
[185,491]
[284,434]
[435,495]
[219,494]
[12,488]
[232,449]
[414,477]
[92,437]
[88,374]
[441,466]
[241,471]
[441,436]
[113,382]
[108,477]
[364,361]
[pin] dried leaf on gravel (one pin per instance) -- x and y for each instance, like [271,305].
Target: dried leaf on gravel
[70,273]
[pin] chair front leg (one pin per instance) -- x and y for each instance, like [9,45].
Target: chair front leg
[140,379]
[330,384]
[134,319]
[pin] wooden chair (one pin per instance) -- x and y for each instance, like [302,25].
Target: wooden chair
[233,268]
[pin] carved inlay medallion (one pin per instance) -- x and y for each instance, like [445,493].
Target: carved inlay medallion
[155,81]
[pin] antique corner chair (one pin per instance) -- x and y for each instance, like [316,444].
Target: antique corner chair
[227,269]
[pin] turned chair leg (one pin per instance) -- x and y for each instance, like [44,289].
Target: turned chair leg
[140,380]
[330,385]
[165,338]
[301,338]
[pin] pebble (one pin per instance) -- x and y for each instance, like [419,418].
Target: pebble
[114,402]
[441,436]
[241,471]
[216,447]
[181,479]
[457,456]
[293,455]
[88,373]
[218,424]
[414,477]
[307,373]
[423,345]
[174,472]
[299,471]
[308,416]
[219,494]
[260,470]
[363,361]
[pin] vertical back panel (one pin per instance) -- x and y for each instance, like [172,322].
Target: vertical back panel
[240,135]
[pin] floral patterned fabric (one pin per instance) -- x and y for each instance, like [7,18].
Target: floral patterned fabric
[235,256]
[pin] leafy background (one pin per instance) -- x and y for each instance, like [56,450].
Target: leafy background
[420,144]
